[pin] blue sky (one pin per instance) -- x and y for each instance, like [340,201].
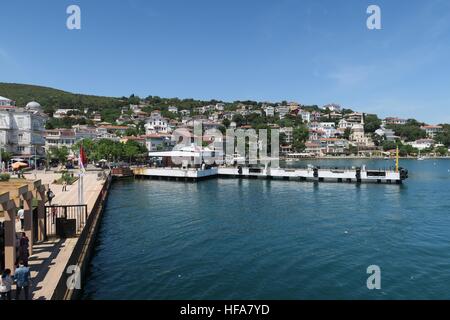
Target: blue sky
[311,51]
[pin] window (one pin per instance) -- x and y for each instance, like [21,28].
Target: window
[20,137]
[20,122]
[20,148]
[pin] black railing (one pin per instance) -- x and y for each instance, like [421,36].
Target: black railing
[65,221]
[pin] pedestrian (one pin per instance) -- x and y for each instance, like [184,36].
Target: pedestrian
[22,277]
[21,216]
[6,282]
[24,246]
[50,196]
[64,188]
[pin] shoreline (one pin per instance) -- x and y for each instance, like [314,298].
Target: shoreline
[362,158]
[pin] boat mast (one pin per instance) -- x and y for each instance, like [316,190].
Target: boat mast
[396,160]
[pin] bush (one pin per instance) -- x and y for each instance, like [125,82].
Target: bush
[4,176]
[67,177]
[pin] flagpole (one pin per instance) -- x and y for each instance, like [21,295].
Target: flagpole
[80,177]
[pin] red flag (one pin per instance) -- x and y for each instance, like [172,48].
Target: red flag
[83,159]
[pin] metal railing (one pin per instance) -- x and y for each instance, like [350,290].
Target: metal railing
[56,215]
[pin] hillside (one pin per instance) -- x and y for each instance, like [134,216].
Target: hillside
[49,97]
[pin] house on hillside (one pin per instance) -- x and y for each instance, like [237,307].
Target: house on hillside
[6,103]
[432,131]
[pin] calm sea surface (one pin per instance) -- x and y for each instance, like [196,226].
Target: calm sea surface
[256,239]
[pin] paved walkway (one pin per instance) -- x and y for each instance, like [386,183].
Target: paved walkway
[50,258]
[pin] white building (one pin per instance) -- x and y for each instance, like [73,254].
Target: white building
[394,120]
[57,138]
[270,111]
[22,130]
[283,111]
[6,103]
[432,131]
[422,144]
[305,115]
[185,112]
[289,133]
[62,113]
[157,124]
[332,107]
[344,124]
[155,141]
[220,107]
[389,134]
[328,129]
[359,137]
[173,109]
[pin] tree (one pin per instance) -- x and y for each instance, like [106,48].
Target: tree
[239,119]
[226,123]
[131,132]
[89,147]
[371,123]
[353,149]
[377,139]
[134,99]
[141,127]
[282,138]
[410,131]
[111,150]
[347,133]
[6,156]
[59,154]
[133,149]
[442,151]
[406,149]
[389,145]
[299,137]
[444,136]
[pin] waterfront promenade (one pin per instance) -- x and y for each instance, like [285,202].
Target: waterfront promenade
[50,258]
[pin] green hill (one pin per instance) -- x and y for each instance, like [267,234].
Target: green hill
[52,99]
[49,97]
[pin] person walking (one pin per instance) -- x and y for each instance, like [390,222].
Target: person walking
[24,246]
[6,282]
[64,188]
[21,216]
[50,196]
[22,277]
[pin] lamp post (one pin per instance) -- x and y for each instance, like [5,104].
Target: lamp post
[35,161]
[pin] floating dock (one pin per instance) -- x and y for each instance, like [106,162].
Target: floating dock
[315,174]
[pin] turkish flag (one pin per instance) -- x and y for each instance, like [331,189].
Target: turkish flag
[83,159]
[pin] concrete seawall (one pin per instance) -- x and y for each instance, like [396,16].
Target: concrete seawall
[58,260]
[82,251]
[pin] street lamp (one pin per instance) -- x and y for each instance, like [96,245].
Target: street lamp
[1,160]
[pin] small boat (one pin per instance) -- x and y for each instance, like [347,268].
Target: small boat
[420,158]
